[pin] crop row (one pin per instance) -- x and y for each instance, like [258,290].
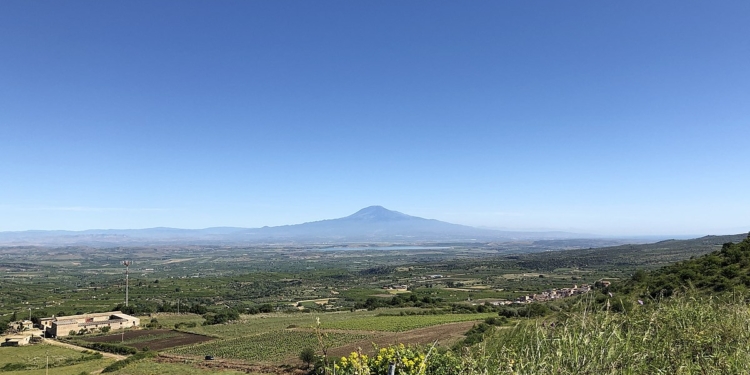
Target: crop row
[401,323]
[263,324]
[267,346]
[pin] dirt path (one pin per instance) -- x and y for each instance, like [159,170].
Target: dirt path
[80,349]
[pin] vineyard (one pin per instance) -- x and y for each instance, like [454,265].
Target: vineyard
[255,325]
[266,346]
[400,323]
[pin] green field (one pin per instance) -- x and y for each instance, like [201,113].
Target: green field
[149,367]
[62,361]
[266,347]
[401,323]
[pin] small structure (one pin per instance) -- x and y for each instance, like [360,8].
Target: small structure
[16,341]
[21,325]
[62,326]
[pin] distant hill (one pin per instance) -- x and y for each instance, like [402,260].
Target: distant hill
[650,255]
[370,224]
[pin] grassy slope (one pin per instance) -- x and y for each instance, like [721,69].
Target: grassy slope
[676,336]
[37,355]
[149,367]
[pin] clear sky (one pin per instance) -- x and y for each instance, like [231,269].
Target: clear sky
[607,117]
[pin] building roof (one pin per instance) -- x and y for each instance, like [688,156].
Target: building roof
[92,315]
[65,321]
[74,318]
[102,322]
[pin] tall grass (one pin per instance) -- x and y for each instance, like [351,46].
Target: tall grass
[681,335]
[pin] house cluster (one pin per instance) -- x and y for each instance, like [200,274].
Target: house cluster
[554,294]
[24,332]
[396,287]
[64,325]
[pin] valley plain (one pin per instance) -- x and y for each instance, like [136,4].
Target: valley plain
[257,307]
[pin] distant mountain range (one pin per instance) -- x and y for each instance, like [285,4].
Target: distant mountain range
[371,224]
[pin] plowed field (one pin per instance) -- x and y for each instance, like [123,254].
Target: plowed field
[158,339]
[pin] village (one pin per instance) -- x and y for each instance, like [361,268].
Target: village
[552,294]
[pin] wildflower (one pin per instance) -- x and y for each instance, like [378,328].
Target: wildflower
[640,302]
[610,294]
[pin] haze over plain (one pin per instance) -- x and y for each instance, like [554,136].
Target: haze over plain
[620,119]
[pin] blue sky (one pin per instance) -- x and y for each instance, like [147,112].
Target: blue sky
[621,118]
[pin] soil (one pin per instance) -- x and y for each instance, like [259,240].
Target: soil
[228,364]
[445,334]
[176,338]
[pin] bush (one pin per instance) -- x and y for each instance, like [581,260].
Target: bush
[307,355]
[104,347]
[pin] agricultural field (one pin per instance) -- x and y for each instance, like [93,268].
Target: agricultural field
[276,337]
[390,323]
[152,339]
[276,294]
[76,280]
[151,367]
[32,360]
[267,347]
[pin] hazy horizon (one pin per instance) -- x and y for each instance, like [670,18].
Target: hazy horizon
[583,233]
[618,119]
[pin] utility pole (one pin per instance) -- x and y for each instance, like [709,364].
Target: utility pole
[29,313]
[127,264]
[178,306]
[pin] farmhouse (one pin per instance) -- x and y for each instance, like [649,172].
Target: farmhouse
[62,326]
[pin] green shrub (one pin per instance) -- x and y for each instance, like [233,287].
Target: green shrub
[104,347]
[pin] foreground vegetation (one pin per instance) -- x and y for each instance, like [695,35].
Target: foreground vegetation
[682,335]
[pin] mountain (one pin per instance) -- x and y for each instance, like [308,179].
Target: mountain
[376,223]
[373,224]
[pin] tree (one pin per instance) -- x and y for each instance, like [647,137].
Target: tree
[307,355]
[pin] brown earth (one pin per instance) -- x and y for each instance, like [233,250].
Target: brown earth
[229,364]
[176,338]
[445,335]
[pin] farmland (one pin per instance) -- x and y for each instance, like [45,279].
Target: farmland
[267,346]
[70,280]
[402,323]
[256,309]
[151,339]
[30,360]
[271,337]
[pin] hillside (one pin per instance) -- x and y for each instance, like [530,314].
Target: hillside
[726,269]
[652,255]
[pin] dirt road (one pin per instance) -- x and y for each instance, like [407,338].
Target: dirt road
[80,349]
